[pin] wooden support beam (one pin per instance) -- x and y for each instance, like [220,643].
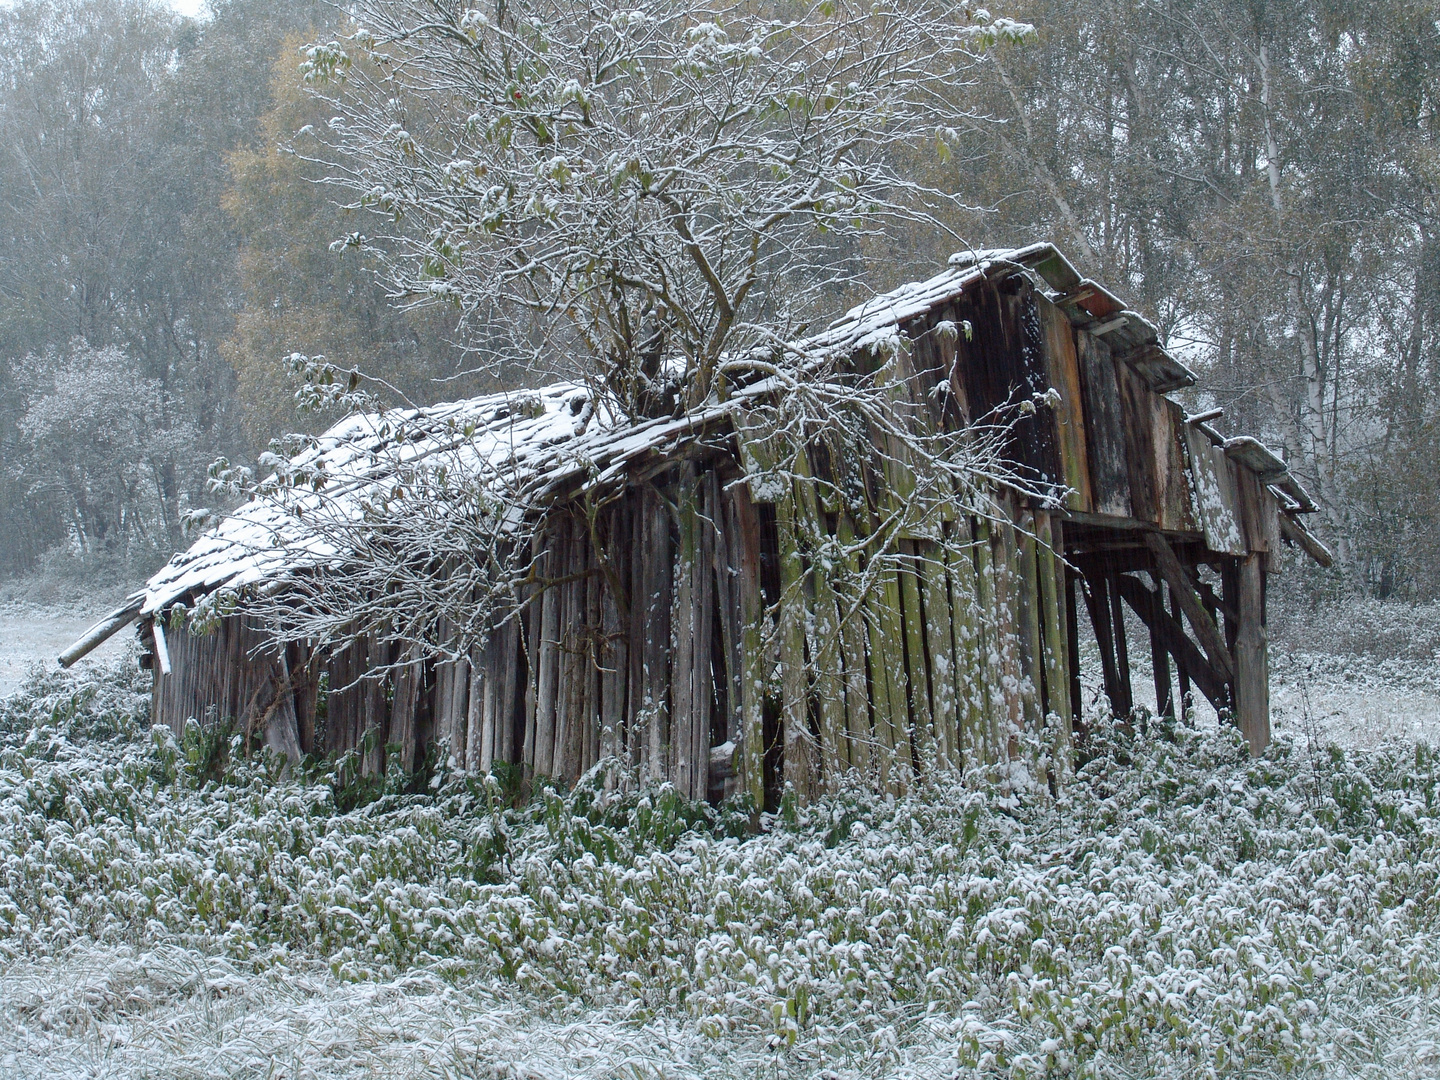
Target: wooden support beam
[1147,604]
[1122,651]
[1072,639]
[1252,661]
[1181,587]
[1181,670]
[1160,667]
[1097,600]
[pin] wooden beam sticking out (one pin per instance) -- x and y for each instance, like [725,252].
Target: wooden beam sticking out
[1252,662]
[117,620]
[1147,604]
[1180,586]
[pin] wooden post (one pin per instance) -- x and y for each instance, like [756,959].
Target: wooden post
[1181,670]
[1126,700]
[1072,639]
[751,604]
[1160,666]
[799,747]
[1051,572]
[1252,660]
[1097,599]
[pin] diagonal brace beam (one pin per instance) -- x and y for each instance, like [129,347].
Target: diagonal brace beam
[1168,563]
[1146,603]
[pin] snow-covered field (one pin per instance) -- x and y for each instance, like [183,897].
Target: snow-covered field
[33,634]
[1177,911]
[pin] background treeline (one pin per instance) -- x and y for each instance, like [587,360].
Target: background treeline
[1259,178]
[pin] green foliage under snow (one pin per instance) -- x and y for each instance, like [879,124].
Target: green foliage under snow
[1177,910]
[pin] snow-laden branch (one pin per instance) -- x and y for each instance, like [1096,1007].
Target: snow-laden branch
[645,180]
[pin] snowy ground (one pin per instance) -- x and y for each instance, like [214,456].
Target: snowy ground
[35,634]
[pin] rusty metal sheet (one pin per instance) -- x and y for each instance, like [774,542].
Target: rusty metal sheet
[1214,495]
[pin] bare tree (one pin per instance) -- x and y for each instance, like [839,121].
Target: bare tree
[654,183]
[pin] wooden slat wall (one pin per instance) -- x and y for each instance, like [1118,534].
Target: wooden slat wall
[705,638]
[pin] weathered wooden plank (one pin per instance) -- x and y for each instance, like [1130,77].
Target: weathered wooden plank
[923,741]
[542,750]
[751,605]
[683,659]
[853,641]
[404,714]
[702,675]
[1104,428]
[1216,501]
[1062,369]
[800,763]
[1138,412]
[659,582]
[1252,658]
[1259,513]
[1050,575]
[1032,645]
[940,647]
[995,718]
[1173,496]
[822,629]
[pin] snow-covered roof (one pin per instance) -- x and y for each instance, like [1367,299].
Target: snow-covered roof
[539,439]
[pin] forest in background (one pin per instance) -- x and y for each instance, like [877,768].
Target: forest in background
[1257,178]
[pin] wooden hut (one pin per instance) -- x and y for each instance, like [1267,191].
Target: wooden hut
[687,625]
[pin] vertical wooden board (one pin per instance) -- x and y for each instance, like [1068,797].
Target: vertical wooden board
[822,628]
[614,667]
[1062,365]
[658,586]
[726,548]
[405,708]
[1029,611]
[1137,402]
[1259,512]
[548,640]
[799,749]
[1212,492]
[594,659]
[749,596]
[1004,559]
[859,736]
[967,642]
[1050,569]
[1104,428]
[922,739]
[935,605]
[702,627]
[1176,506]
[1252,656]
[509,666]
[480,718]
[682,658]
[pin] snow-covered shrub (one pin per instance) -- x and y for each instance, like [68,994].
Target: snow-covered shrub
[96,702]
[1177,908]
